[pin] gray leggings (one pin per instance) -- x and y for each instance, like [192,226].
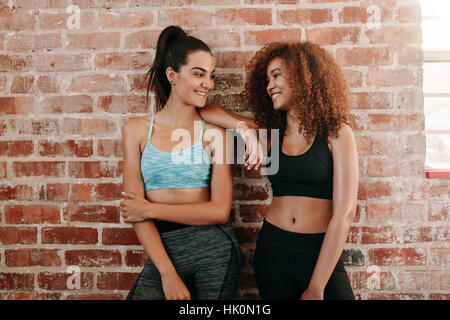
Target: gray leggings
[207,258]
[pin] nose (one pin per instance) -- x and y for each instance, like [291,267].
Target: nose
[270,86]
[208,83]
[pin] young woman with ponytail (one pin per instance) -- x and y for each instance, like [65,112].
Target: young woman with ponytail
[180,208]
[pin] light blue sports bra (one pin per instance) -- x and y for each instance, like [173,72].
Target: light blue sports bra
[189,168]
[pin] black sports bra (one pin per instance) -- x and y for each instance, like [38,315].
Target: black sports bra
[309,174]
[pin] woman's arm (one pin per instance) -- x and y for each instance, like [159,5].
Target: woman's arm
[218,116]
[215,114]
[215,211]
[345,192]
[146,231]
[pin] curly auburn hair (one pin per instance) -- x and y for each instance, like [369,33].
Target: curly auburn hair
[320,91]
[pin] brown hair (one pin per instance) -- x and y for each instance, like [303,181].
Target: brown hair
[320,91]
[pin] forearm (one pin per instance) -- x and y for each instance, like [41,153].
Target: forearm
[200,213]
[150,239]
[330,252]
[218,116]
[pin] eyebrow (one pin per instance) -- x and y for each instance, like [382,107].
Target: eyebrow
[273,70]
[201,69]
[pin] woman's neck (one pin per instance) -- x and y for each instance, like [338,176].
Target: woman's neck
[292,124]
[176,114]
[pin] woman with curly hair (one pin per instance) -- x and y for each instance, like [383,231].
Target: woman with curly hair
[299,89]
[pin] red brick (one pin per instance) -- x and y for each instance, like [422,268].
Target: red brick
[81,192]
[124,104]
[63,62]
[363,56]
[91,213]
[126,19]
[246,235]
[15,63]
[40,168]
[217,38]
[375,235]
[18,20]
[22,84]
[262,37]
[373,190]
[246,192]
[3,173]
[32,257]
[391,78]
[135,258]
[244,16]
[32,214]
[16,105]
[119,236]
[333,35]
[17,148]
[18,235]
[253,212]
[397,257]
[304,16]
[69,235]
[232,59]
[108,191]
[89,127]
[66,104]
[395,35]
[96,41]
[67,148]
[123,61]
[93,258]
[394,122]
[361,280]
[33,296]
[98,296]
[48,84]
[97,83]
[52,21]
[31,42]
[116,280]
[95,169]
[145,39]
[186,17]
[16,281]
[57,191]
[423,280]
[109,148]
[58,281]
[370,145]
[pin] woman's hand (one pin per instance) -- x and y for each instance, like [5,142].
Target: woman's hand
[310,294]
[174,287]
[134,208]
[254,155]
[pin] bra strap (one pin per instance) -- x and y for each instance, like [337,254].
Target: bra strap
[151,128]
[201,131]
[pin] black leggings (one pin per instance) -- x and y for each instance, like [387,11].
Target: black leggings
[284,263]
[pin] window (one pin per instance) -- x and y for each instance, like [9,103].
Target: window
[436,86]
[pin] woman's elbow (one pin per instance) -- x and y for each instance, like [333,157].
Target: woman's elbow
[222,214]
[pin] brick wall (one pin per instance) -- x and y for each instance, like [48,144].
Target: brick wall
[66,90]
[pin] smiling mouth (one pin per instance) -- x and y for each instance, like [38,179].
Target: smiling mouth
[201,94]
[275,95]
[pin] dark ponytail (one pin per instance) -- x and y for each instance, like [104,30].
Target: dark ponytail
[172,49]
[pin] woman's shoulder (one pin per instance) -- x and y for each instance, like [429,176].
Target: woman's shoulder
[344,138]
[137,126]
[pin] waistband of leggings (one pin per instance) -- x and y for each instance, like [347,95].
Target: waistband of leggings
[291,240]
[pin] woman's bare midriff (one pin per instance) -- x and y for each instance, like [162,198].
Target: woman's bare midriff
[178,196]
[300,214]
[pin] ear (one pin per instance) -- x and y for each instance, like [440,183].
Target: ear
[171,75]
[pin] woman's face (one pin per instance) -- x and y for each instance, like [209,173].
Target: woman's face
[278,87]
[195,80]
